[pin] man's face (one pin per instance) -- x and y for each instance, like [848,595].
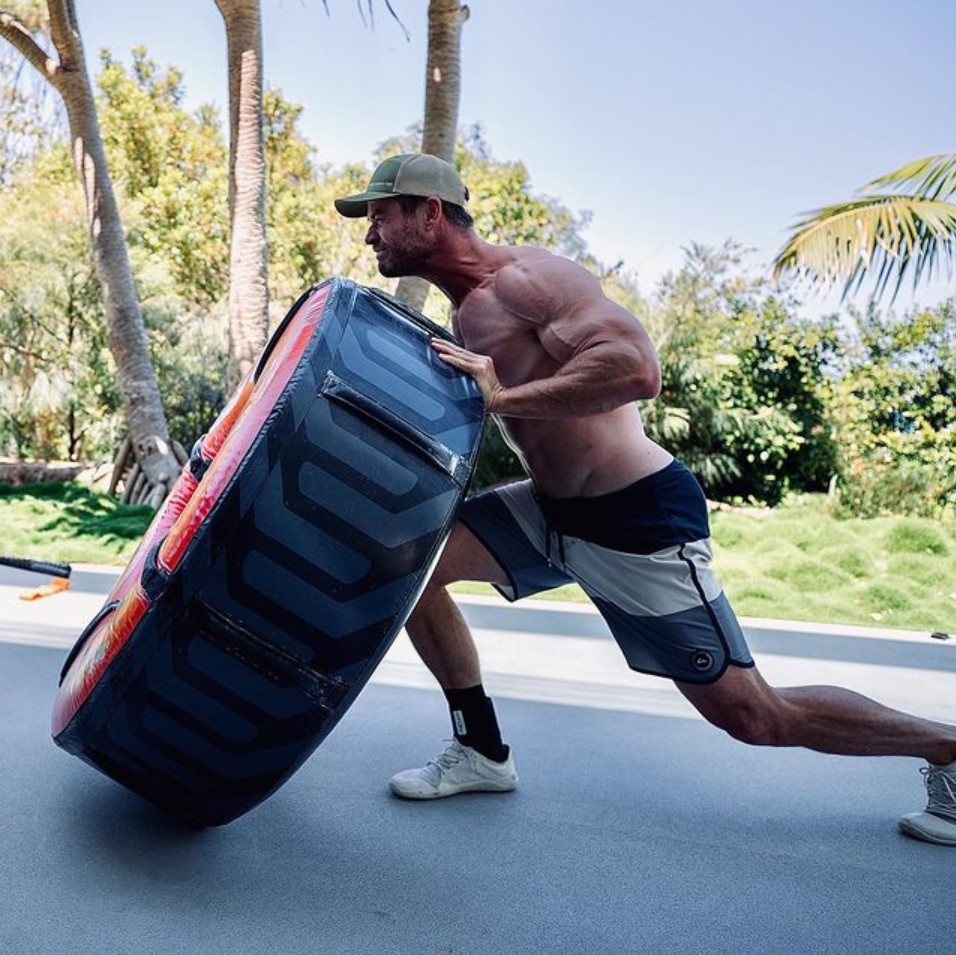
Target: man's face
[397,239]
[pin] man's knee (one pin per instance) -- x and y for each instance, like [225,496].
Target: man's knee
[754,725]
[438,581]
[464,558]
[755,718]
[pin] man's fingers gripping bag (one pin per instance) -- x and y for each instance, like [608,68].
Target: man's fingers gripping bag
[283,564]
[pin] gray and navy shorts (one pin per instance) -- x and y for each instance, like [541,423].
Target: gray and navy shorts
[643,556]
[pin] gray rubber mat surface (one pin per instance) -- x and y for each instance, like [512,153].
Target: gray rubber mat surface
[629,833]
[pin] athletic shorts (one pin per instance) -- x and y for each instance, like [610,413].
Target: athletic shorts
[642,555]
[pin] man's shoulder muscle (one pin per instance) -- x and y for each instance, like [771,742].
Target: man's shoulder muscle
[536,285]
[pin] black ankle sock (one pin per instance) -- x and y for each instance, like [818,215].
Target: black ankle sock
[474,722]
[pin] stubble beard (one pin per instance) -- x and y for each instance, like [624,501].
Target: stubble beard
[405,257]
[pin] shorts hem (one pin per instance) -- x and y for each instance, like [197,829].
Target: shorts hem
[509,591]
[707,680]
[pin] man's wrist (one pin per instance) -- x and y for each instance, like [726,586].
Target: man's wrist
[494,400]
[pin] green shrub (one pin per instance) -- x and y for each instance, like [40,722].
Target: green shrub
[880,488]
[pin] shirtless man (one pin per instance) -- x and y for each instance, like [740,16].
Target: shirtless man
[560,366]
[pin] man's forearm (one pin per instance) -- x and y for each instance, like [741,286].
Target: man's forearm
[596,381]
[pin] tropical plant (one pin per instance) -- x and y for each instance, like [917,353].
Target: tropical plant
[893,406]
[902,224]
[66,71]
[170,171]
[744,387]
[58,395]
[782,376]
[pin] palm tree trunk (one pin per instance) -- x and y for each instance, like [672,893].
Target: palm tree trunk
[248,258]
[442,99]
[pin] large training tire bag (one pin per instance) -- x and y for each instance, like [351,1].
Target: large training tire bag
[283,564]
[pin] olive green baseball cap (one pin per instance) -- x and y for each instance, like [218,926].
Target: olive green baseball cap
[411,174]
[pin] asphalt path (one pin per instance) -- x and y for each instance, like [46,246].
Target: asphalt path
[636,828]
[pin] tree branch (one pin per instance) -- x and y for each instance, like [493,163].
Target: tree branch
[65,33]
[13,30]
[17,349]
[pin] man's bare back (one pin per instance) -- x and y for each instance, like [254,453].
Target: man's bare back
[551,334]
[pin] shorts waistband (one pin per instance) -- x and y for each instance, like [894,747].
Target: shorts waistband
[664,509]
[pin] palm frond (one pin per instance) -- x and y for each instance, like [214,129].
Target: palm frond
[933,177]
[887,237]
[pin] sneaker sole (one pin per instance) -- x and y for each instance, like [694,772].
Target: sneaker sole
[472,788]
[910,828]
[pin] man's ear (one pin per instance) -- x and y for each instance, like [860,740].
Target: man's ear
[432,211]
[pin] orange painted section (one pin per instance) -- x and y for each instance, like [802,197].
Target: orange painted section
[186,508]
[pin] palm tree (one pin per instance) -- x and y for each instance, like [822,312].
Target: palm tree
[249,247]
[248,256]
[157,463]
[442,97]
[902,224]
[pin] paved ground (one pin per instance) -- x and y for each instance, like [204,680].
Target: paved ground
[637,827]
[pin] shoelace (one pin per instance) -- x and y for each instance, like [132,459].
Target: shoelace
[941,786]
[452,755]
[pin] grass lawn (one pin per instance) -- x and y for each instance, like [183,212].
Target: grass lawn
[68,522]
[799,563]
[794,562]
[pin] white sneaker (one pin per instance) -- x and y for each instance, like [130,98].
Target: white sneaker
[459,769]
[938,822]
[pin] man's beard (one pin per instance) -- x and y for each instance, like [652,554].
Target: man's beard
[406,258]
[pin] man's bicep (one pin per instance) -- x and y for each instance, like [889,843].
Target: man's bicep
[593,320]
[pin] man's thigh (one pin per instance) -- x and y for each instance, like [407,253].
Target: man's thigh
[508,522]
[465,557]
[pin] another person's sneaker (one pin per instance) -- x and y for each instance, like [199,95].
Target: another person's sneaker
[938,822]
[459,769]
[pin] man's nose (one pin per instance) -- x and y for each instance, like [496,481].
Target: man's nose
[370,235]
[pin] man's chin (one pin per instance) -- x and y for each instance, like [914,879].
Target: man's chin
[392,271]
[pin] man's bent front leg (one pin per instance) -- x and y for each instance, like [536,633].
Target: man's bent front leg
[443,641]
[436,627]
[476,760]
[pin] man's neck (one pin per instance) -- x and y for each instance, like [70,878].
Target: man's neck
[465,262]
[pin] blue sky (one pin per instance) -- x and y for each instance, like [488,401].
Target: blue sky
[671,122]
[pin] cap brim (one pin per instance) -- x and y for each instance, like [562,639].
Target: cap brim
[354,207]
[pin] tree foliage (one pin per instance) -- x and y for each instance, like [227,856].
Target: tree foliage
[757,399]
[48,38]
[902,224]
[170,168]
[896,416]
[744,391]
[30,118]
[58,394]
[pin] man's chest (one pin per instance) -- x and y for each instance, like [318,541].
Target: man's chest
[511,342]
